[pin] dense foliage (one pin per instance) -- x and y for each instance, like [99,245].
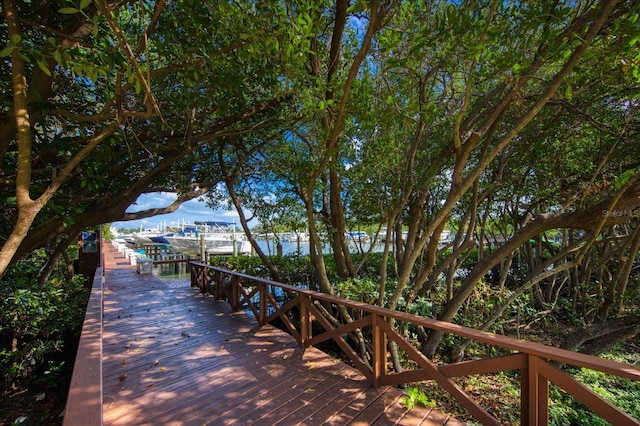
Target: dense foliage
[513,126]
[39,332]
[37,321]
[103,101]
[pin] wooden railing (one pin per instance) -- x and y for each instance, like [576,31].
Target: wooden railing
[84,400]
[299,309]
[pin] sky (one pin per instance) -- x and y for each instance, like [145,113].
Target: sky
[188,212]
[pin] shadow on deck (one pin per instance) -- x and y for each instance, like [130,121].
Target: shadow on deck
[174,357]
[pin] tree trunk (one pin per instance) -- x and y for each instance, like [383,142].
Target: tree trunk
[618,286]
[596,338]
[339,241]
[273,269]
[591,218]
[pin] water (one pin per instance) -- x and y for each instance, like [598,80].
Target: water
[302,248]
[172,271]
[179,270]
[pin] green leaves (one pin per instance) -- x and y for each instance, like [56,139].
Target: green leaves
[68,10]
[358,7]
[415,395]
[7,51]
[76,9]
[624,178]
[13,44]
[39,318]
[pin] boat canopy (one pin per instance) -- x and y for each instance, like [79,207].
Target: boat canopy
[214,223]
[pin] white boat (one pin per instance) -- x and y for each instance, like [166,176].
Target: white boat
[215,237]
[357,236]
[295,237]
[144,236]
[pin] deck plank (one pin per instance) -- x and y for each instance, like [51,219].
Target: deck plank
[173,356]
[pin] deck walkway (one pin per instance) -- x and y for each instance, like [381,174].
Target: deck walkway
[174,357]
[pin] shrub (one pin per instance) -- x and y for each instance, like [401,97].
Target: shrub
[36,323]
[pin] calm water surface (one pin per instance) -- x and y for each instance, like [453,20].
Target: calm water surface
[288,249]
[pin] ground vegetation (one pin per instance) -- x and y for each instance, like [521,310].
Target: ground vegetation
[39,333]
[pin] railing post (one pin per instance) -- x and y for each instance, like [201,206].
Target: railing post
[538,395]
[305,321]
[206,277]
[194,277]
[234,302]
[379,350]
[263,303]
[217,285]
[524,395]
[202,271]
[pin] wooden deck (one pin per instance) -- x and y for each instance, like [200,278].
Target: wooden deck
[174,357]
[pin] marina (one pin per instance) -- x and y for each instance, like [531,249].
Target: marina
[204,239]
[212,237]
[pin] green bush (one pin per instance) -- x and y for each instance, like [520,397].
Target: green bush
[294,270]
[623,393]
[36,323]
[362,290]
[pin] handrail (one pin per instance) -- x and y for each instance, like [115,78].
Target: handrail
[531,359]
[84,401]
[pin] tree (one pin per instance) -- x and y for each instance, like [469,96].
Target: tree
[508,123]
[111,100]
[460,98]
[500,123]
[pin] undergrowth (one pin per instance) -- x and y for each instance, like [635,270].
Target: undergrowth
[499,393]
[39,333]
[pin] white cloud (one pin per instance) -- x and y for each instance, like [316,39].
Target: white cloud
[188,212]
[149,201]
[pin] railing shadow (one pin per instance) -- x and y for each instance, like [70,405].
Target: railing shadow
[302,311]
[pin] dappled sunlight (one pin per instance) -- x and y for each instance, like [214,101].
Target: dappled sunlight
[172,355]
